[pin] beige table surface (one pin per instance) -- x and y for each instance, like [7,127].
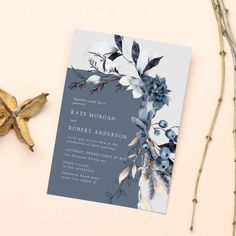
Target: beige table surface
[35,40]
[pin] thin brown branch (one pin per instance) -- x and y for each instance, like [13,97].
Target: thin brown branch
[234,133]
[232,44]
[216,113]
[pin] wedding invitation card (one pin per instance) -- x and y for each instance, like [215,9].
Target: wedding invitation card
[119,121]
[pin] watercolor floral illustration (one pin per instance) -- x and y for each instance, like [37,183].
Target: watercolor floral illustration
[149,164]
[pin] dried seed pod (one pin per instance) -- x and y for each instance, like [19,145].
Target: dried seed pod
[31,107]
[5,125]
[9,100]
[22,132]
[13,116]
[3,112]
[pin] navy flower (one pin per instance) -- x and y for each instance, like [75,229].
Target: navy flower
[156,90]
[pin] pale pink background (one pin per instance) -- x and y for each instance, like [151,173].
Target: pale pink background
[35,42]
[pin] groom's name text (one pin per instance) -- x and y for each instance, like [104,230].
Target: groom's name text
[98,132]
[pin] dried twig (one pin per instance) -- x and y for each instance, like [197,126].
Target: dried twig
[224,29]
[232,44]
[216,113]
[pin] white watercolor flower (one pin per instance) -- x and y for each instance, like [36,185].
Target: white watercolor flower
[109,66]
[94,79]
[133,84]
[103,48]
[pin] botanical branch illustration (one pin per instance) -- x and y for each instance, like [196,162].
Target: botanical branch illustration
[224,30]
[127,178]
[96,77]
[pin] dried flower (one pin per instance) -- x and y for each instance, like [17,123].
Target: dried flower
[13,116]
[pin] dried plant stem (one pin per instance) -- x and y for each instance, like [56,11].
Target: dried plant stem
[224,28]
[232,44]
[216,113]
[228,34]
[234,132]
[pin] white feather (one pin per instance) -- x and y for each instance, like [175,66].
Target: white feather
[123,174]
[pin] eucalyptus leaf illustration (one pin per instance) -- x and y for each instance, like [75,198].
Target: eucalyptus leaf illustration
[135,51]
[139,123]
[143,114]
[152,63]
[114,55]
[118,41]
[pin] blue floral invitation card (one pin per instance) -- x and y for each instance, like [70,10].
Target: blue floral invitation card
[119,121]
